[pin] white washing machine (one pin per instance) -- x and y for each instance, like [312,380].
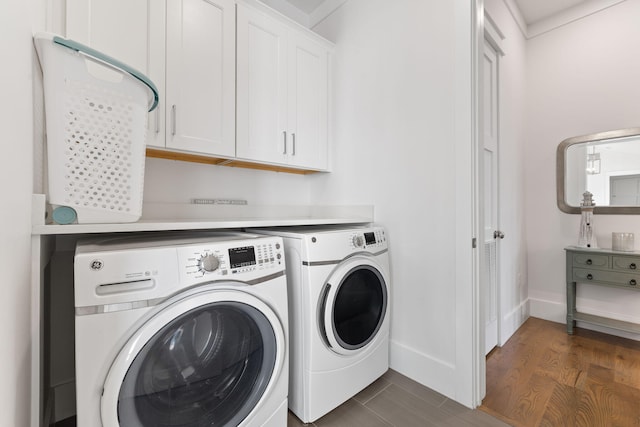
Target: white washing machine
[181,331]
[339,309]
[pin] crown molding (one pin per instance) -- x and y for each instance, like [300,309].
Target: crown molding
[558,20]
[514,10]
[325,9]
[290,11]
[568,16]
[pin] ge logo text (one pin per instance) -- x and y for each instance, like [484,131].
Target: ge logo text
[96,264]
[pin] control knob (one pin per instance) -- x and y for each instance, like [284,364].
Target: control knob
[358,241]
[208,263]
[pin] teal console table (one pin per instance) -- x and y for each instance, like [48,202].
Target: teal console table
[602,267]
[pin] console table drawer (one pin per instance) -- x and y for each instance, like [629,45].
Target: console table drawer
[613,277]
[590,260]
[626,263]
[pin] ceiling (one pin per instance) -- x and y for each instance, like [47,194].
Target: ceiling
[532,10]
[536,10]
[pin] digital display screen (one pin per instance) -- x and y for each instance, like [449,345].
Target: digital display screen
[242,257]
[369,238]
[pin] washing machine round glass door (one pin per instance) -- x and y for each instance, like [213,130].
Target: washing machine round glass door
[207,359]
[353,305]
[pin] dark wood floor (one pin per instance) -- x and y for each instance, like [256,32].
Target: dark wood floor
[544,377]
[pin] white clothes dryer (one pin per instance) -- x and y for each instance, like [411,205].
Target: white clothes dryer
[177,331]
[339,292]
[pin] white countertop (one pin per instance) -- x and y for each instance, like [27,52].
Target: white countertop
[178,216]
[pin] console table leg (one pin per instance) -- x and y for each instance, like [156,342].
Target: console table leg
[571,306]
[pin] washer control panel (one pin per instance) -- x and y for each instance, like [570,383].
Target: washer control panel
[239,260]
[208,263]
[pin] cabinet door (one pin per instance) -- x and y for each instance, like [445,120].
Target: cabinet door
[308,102]
[262,83]
[200,82]
[131,31]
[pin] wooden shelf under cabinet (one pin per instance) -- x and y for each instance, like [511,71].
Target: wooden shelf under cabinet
[195,158]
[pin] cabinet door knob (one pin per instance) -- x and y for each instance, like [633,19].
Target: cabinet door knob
[284,139]
[632,266]
[293,148]
[632,282]
[173,120]
[589,276]
[589,262]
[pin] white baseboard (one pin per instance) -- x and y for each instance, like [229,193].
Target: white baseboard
[513,320]
[548,310]
[420,367]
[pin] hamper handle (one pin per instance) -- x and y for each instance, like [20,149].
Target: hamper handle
[112,62]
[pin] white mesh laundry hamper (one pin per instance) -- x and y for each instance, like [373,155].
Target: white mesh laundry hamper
[96,130]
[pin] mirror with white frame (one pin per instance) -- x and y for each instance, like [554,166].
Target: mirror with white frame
[607,164]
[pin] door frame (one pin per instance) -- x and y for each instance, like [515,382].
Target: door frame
[469,379]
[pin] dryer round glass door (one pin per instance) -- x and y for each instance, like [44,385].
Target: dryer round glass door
[353,305]
[196,364]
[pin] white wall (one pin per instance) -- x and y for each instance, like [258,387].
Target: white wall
[394,132]
[581,78]
[513,294]
[172,181]
[15,218]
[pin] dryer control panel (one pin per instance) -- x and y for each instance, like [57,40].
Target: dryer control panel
[328,244]
[240,260]
[338,243]
[368,238]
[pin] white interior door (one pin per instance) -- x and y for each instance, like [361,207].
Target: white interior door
[624,190]
[489,283]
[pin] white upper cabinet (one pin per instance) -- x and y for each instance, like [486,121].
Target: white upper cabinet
[131,31]
[282,93]
[200,79]
[262,98]
[308,102]
[194,70]
[262,87]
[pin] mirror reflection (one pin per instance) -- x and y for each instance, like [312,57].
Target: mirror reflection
[607,165]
